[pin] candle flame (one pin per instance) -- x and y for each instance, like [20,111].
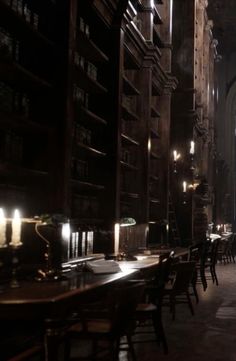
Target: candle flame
[176,155]
[16,215]
[192,147]
[2,215]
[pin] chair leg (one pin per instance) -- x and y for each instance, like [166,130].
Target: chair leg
[194,282]
[131,348]
[67,350]
[190,302]
[215,275]
[195,292]
[172,306]
[114,348]
[203,278]
[159,330]
[212,274]
[94,350]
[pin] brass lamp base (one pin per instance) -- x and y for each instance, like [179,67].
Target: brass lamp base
[48,275]
[125,257]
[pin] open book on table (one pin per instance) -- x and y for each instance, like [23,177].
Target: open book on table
[103,266]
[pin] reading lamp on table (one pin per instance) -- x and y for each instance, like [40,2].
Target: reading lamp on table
[127,222]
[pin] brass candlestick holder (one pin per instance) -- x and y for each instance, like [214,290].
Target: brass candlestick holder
[175,166]
[192,166]
[15,262]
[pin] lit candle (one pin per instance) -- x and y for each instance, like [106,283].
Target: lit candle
[116,238]
[83,244]
[90,242]
[184,187]
[175,155]
[2,229]
[76,244]
[65,234]
[73,246]
[16,229]
[192,147]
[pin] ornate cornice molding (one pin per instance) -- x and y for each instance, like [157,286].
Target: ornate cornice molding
[171,84]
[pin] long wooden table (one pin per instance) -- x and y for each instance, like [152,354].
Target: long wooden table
[38,302]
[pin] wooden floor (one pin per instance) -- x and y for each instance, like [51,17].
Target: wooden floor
[209,335]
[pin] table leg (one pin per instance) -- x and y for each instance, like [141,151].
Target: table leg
[52,342]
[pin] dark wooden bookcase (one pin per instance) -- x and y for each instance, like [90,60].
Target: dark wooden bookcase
[81,127]
[27,105]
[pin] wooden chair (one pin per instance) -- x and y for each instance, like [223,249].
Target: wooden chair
[211,260]
[29,354]
[177,289]
[206,255]
[195,255]
[225,251]
[149,313]
[109,324]
[20,342]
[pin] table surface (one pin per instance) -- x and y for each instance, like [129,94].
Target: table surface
[41,302]
[224,235]
[142,263]
[32,294]
[38,300]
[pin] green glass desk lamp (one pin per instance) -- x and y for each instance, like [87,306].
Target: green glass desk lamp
[127,222]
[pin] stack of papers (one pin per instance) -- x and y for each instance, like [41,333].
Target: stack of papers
[102,266]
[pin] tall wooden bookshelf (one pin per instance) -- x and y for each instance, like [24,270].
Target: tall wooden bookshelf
[27,105]
[85,112]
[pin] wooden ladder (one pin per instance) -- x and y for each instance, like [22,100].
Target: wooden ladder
[174,234]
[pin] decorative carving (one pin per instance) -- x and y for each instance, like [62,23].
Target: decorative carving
[170,85]
[202,4]
[209,25]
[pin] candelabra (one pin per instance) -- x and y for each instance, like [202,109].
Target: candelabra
[176,156]
[192,152]
[184,192]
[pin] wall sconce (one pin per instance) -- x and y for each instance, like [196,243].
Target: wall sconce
[192,152]
[184,192]
[193,186]
[176,156]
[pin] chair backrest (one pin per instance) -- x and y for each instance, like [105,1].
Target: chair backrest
[205,250]
[183,274]
[164,270]
[157,286]
[214,251]
[123,306]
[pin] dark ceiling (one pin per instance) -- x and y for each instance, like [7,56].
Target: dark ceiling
[223,14]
